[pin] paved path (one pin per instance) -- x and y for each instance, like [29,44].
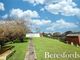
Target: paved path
[30,55]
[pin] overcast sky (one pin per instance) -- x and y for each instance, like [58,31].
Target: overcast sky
[47,15]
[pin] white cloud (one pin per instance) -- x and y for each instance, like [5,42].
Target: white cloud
[5,16]
[35,1]
[64,7]
[2,6]
[58,25]
[41,22]
[18,13]
[54,9]
[38,23]
[42,9]
[61,24]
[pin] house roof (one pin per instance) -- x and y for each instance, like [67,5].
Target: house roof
[73,35]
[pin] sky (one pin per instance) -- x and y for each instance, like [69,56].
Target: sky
[44,15]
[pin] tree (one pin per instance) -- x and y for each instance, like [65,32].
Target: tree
[68,32]
[56,34]
[11,30]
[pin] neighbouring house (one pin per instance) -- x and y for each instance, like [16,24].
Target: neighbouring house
[73,38]
[33,35]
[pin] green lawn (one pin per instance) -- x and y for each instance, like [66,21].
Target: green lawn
[21,49]
[53,46]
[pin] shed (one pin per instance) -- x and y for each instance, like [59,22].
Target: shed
[73,38]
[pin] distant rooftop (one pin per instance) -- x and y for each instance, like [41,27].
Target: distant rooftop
[73,35]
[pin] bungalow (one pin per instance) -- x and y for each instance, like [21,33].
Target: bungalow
[73,38]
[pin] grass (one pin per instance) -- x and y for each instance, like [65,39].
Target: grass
[53,46]
[20,49]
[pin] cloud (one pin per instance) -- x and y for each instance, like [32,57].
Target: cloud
[58,25]
[61,24]
[64,7]
[18,13]
[42,9]
[41,22]
[35,1]
[5,16]
[2,6]
[42,2]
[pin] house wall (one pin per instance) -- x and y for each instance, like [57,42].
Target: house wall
[79,40]
[74,39]
[33,35]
